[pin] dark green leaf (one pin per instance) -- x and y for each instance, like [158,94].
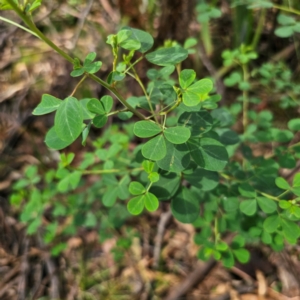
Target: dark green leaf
[203,179]
[177,158]
[208,153]
[167,186]
[198,122]
[167,56]
[185,206]
[145,39]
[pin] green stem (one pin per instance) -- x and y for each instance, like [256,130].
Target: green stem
[245,98]
[206,38]
[78,84]
[259,29]
[118,96]
[87,172]
[137,78]
[18,25]
[286,9]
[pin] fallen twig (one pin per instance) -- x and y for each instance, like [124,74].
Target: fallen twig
[197,276]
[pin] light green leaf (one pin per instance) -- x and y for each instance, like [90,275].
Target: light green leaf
[167,56]
[54,142]
[87,115]
[248,207]
[186,78]
[294,124]
[136,188]
[242,255]
[68,120]
[153,177]
[145,129]
[151,202]
[107,102]
[208,153]
[197,92]
[123,35]
[47,105]
[155,149]
[282,183]
[130,45]
[89,58]
[148,166]
[271,223]
[177,135]
[77,72]
[136,205]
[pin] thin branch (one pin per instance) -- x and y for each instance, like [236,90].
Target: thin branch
[164,219]
[197,276]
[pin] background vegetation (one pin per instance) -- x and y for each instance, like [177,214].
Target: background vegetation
[66,231]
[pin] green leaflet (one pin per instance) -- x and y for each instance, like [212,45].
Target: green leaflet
[145,129]
[167,56]
[185,206]
[136,205]
[68,120]
[145,39]
[197,92]
[136,188]
[155,149]
[248,207]
[186,78]
[100,121]
[54,142]
[95,106]
[47,105]
[177,135]
[198,122]
[208,153]
[177,158]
